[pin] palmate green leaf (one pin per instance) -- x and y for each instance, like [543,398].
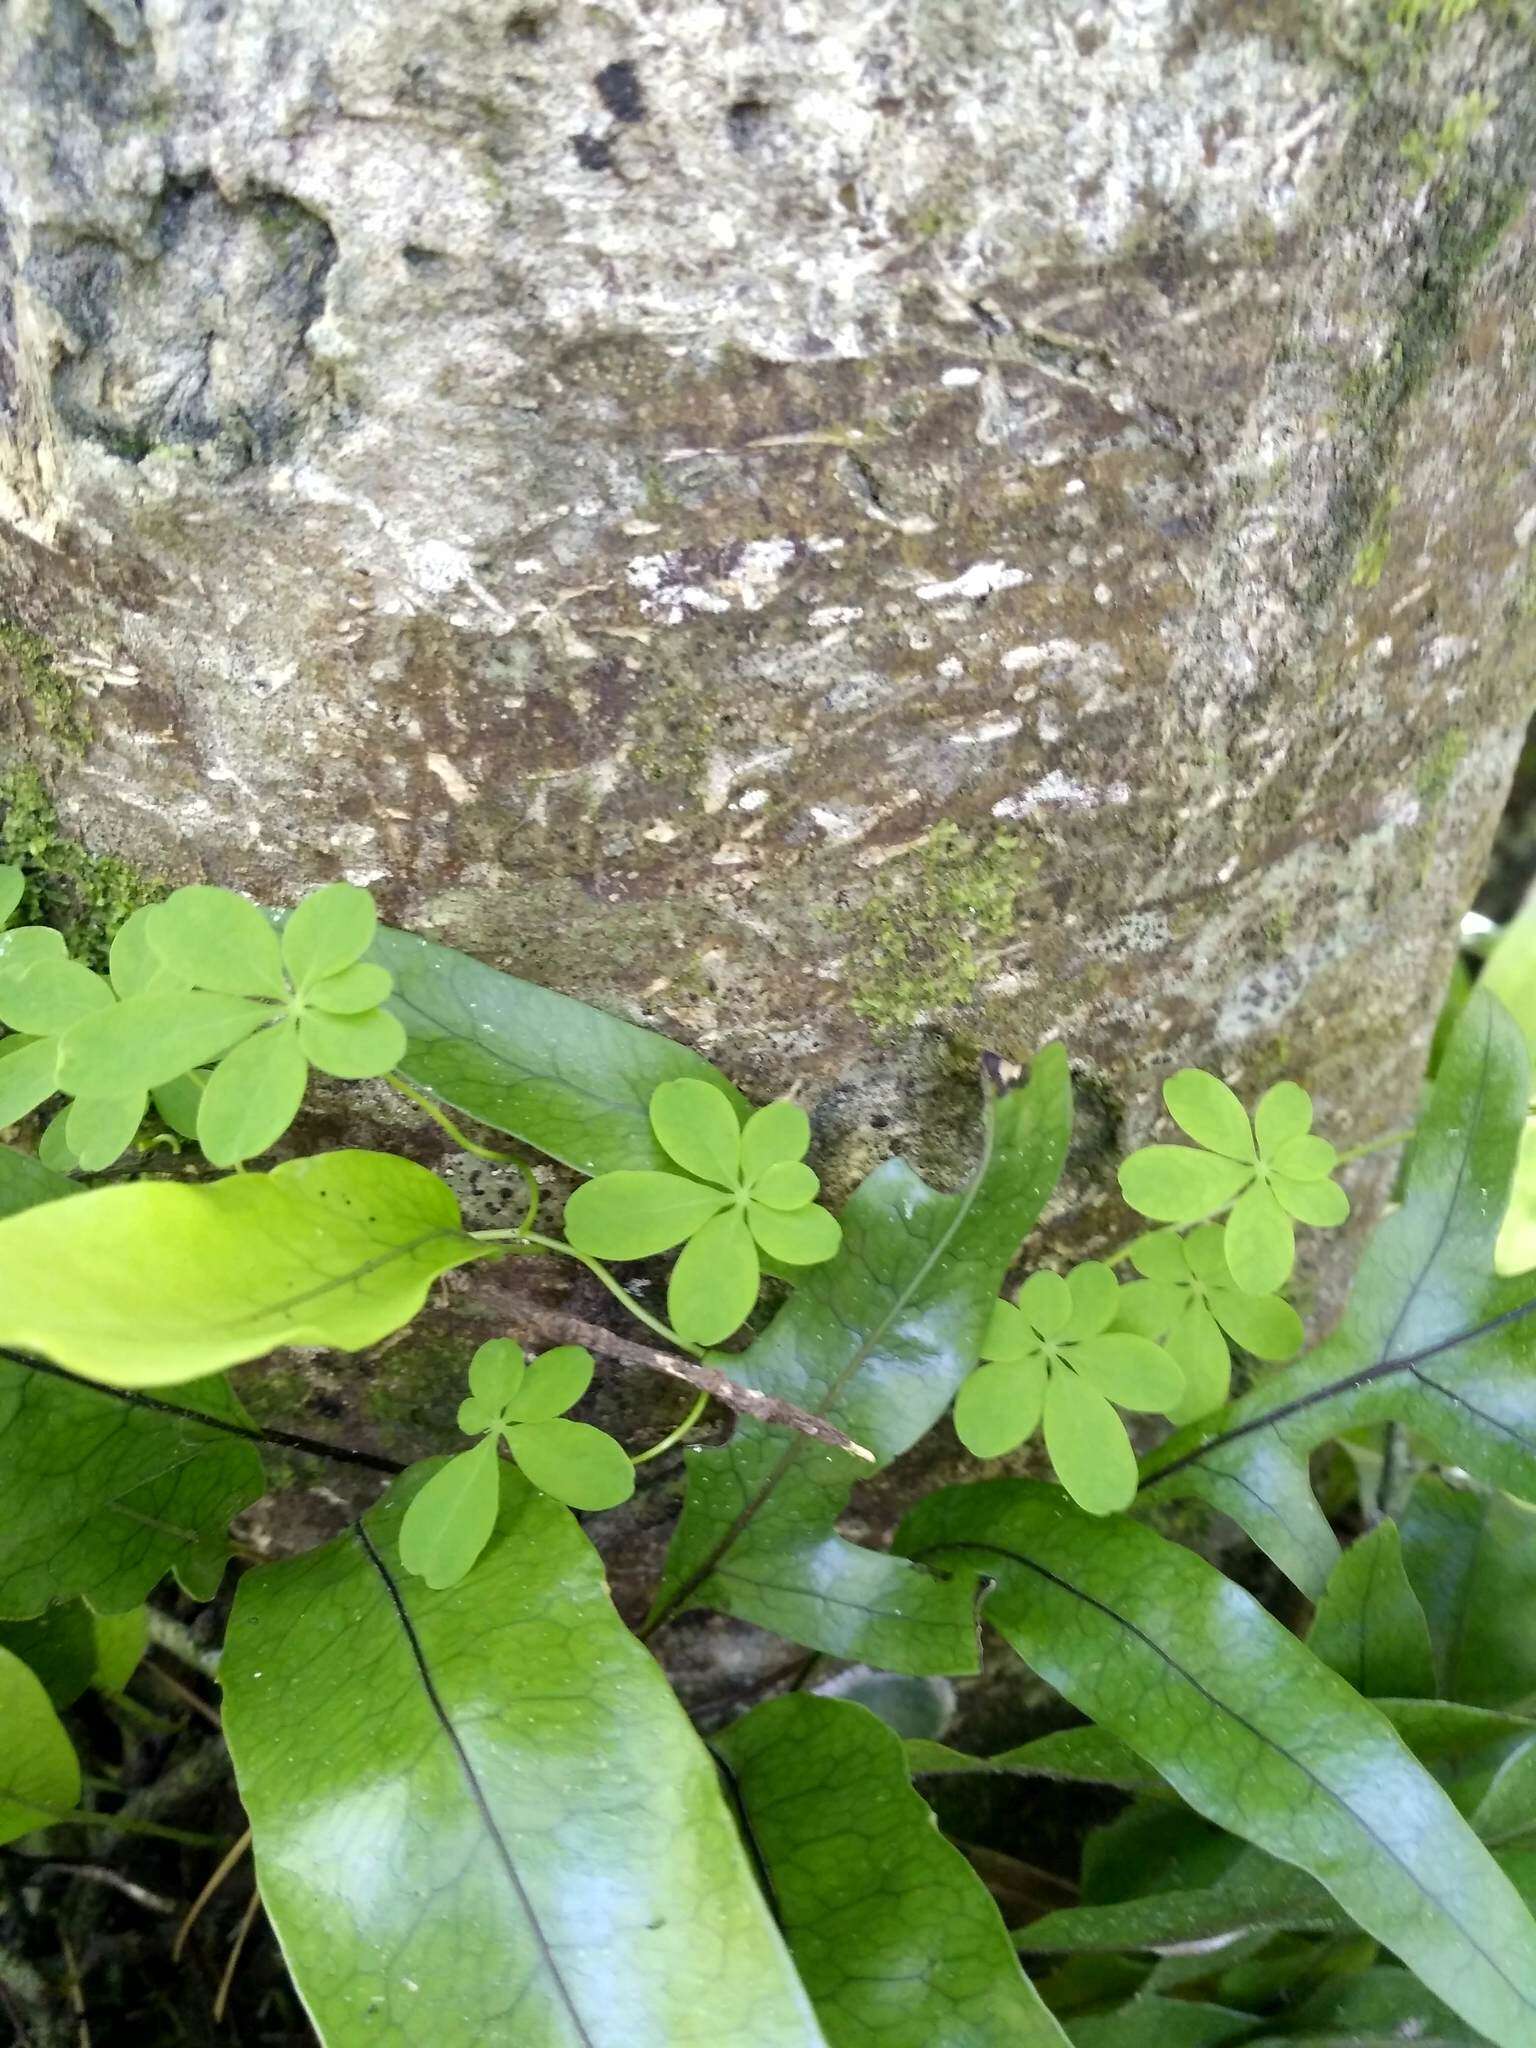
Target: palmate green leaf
[327,932]
[895,1937]
[158,1282]
[1250,1729]
[1177,1184]
[213,939]
[877,1340]
[39,1772]
[481,1815]
[635,1215]
[1430,1338]
[715,1281]
[450,1521]
[148,1040]
[565,1078]
[103,1498]
[252,1096]
[1206,1110]
[573,1463]
[1369,1626]
[1470,1557]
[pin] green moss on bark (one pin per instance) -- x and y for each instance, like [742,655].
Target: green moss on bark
[920,941]
[49,700]
[87,896]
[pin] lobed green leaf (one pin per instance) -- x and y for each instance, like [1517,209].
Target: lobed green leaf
[895,1937]
[1431,1337]
[565,1078]
[480,1814]
[1252,1731]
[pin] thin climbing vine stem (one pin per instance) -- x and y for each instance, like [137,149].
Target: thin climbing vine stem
[674,1436]
[468,1144]
[599,1272]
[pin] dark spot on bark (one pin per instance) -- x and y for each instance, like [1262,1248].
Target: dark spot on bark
[527,25]
[618,87]
[593,152]
[747,123]
[419,258]
[204,341]
[1088,39]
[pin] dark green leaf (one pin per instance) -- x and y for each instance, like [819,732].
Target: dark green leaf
[104,1496]
[59,1645]
[480,1815]
[877,1341]
[1430,1337]
[1471,1558]
[1078,1755]
[570,1080]
[1153,2022]
[1257,1892]
[896,1939]
[1369,1625]
[1155,1645]
[1380,2008]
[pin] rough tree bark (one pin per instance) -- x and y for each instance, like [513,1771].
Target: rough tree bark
[850,530]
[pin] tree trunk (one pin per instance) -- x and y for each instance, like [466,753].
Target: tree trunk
[849,530]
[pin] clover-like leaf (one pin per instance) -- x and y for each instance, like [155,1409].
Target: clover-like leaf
[573,1462]
[252,1096]
[496,1372]
[451,1520]
[1064,1357]
[328,931]
[1190,1303]
[1268,1172]
[742,1190]
[521,1405]
[13,886]
[213,939]
[308,1000]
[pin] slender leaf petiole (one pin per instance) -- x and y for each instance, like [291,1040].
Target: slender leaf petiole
[468,1144]
[600,1272]
[673,1436]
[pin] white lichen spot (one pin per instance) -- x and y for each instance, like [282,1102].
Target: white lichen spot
[988,731]
[661,833]
[980,580]
[1029,658]
[842,823]
[1058,792]
[1074,487]
[835,615]
[961,376]
[751,800]
[449,776]
[952,667]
